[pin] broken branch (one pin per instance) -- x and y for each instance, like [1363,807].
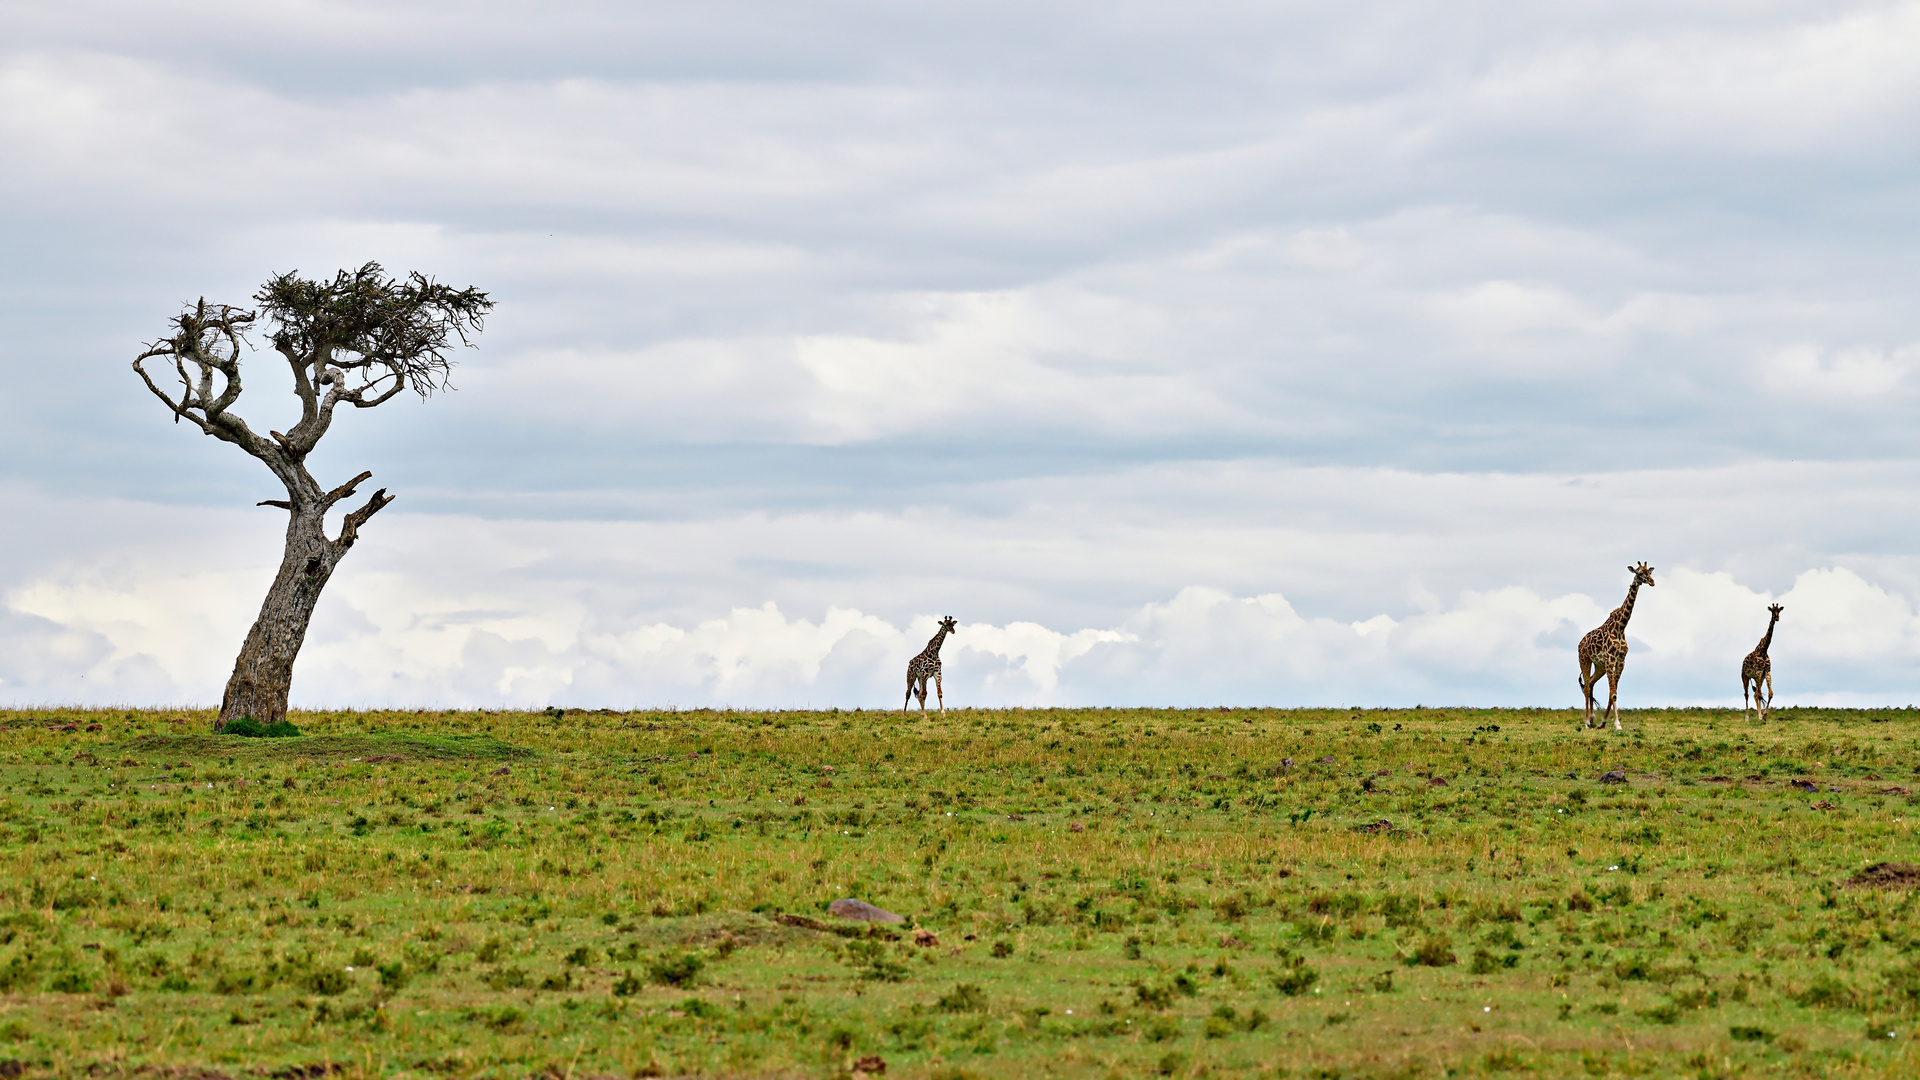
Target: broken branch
[345,491]
[350,529]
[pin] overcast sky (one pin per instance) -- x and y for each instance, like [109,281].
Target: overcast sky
[1197,353]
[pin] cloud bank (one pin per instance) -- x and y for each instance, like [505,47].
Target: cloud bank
[445,610]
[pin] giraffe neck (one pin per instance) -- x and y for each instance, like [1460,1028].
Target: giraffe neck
[1625,611]
[933,647]
[1767,641]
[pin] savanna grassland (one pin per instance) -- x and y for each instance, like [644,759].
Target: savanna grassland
[1089,893]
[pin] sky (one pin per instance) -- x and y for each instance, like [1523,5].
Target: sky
[1188,354]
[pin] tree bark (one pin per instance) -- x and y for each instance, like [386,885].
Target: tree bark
[263,673]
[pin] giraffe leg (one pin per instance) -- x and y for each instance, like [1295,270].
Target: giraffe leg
[1613,698]
[1743,699]
[940,692]
[909,700]
[1756,693]
[1589,677]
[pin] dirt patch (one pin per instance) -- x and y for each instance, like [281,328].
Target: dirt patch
[1887,875]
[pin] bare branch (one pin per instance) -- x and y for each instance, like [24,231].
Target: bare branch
[345,491]
[399,384]
[350,528]
[178,408]
[281,503]
[208,338]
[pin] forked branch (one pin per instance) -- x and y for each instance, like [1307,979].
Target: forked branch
[350,528]
[204,353]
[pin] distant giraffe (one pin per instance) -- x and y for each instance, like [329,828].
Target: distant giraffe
[925,666]
[1604,651]
[1758,668]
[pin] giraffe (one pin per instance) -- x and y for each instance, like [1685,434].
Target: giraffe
[926,665]
[1758,668]
[1604,650]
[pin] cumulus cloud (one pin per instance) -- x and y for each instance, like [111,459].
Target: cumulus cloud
[1201,646]
[1309,603]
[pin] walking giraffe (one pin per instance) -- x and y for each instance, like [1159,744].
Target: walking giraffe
[1604,650]
[1758,668]
[926,665]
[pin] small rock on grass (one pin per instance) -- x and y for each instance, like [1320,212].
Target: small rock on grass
[1613,776]
[861,911]
[925,938]
[871,1065]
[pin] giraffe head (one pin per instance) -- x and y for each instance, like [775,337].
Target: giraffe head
[1775,610]
[947,625]
[1642,575]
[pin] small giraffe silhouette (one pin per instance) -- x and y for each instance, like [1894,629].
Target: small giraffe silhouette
[1604,650]
[926,665]
[1758,668]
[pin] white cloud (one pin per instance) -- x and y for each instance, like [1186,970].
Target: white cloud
[1203,646]
[1499,308]
[1818,80]
[1858,373]
[1311,602]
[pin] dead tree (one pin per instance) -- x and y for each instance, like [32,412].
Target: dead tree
[359,339]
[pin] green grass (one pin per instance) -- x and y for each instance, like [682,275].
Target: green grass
[1114,893]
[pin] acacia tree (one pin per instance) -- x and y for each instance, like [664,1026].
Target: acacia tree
[359,339]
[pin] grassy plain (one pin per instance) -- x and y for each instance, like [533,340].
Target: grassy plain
[1308,893]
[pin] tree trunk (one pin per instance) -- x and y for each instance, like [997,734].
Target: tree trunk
[263,674]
